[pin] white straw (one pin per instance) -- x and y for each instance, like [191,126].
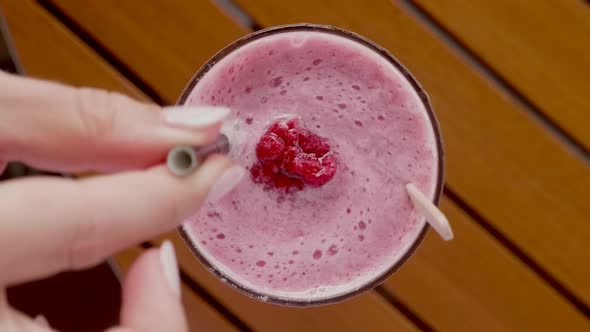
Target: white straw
[431,212]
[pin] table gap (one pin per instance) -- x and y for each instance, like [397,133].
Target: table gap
[414,317]
[521,255]
[480,65]
[101,50]
[238,14]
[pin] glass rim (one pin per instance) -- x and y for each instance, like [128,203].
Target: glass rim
[374,282]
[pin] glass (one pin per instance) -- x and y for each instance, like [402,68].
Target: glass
[438,141]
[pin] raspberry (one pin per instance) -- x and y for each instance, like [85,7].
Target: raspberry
[286,130]
[311,143]
[270,147]
[290,156]
[303,165]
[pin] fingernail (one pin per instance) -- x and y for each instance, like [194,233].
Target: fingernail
[194,116]
[170,266]
[226,182]
[41,321]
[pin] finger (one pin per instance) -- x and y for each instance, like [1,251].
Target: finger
[151,293]
[41,321]
[52,126]
[13,320]
[120,329]
[49,224]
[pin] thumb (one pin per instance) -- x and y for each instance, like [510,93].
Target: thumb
[151,293]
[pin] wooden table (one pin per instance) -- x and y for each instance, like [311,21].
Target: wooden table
[510,82]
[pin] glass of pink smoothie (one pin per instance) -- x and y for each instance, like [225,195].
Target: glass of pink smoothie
[331,128]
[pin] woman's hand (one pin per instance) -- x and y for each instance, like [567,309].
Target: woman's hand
[49,225]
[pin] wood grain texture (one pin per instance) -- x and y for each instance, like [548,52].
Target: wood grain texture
[473,283]
[539,48]
[163,42]
[48,50]
[524,182]
[368,312]
[200,315]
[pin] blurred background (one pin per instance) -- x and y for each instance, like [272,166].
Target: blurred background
[509,81]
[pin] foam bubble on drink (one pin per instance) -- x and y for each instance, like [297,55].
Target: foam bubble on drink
[317,242]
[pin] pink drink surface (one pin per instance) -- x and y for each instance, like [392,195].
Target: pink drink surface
[326,241]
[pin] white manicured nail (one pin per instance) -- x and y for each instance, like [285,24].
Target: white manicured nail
[194,116]
[41,321]
[170,266]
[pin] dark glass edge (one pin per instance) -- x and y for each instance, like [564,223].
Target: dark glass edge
[433,120]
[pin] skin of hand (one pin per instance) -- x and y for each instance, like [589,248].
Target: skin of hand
[49,225]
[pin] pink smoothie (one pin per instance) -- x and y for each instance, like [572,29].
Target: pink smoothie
[319,242]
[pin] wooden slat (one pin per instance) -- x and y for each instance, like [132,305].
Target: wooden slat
[474,284]
[56,54]
[200,315]
[527,185]
[541,48]
[47,50]
[368,312]
[164,42]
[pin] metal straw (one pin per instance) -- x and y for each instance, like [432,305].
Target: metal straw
[184,160]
